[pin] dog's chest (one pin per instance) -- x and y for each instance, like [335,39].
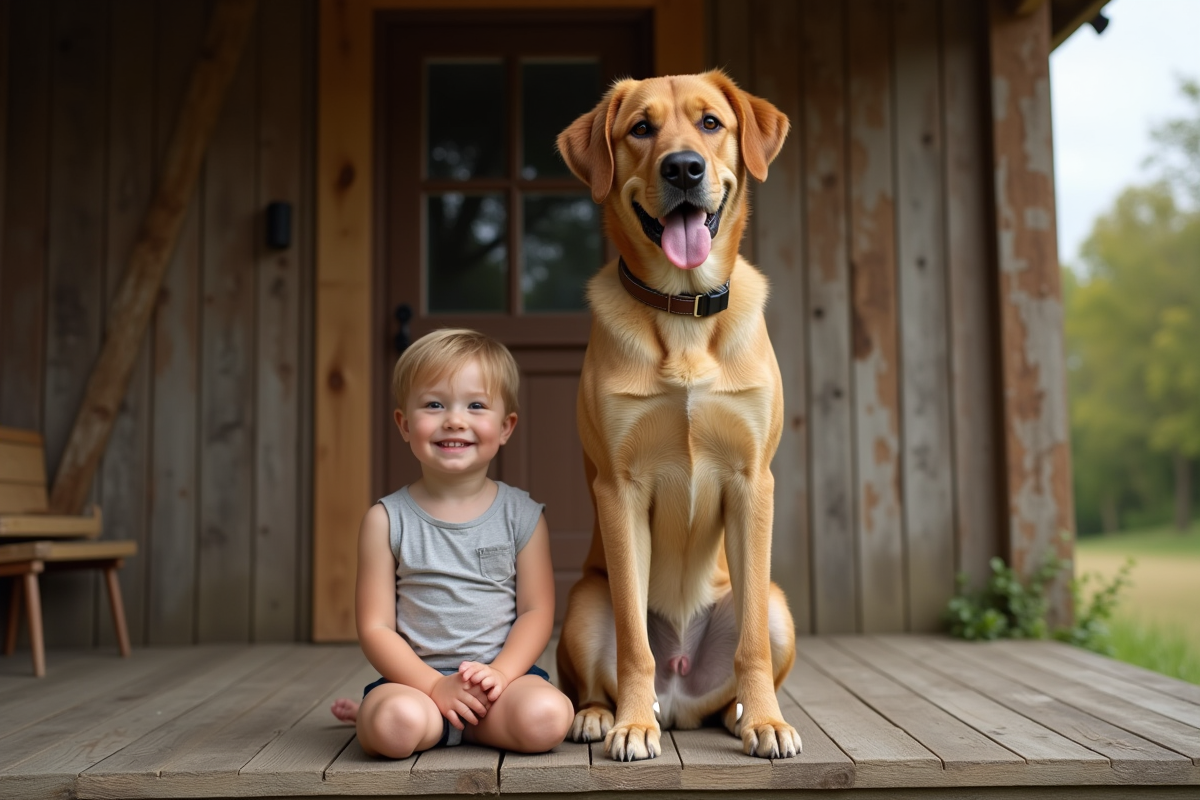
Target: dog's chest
[686,425]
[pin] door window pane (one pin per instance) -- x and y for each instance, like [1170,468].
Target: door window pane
[466,112]
[466,265]
[554,93]
[562,249]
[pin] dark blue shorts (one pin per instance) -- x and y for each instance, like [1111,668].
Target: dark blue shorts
[451,735]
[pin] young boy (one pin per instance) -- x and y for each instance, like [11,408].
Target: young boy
[455,594]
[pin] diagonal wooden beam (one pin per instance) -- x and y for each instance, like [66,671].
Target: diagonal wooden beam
[228,30]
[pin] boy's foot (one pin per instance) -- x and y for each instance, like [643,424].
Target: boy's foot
[345,709]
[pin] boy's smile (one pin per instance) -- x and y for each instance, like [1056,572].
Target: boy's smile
[454,425]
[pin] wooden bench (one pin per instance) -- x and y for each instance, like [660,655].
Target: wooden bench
[33,541]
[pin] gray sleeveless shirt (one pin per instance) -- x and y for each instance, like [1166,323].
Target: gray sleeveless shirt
[456,582]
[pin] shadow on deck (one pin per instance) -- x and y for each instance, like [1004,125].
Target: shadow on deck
[882,716]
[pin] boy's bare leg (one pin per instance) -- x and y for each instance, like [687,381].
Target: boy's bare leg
[396,721]
[531,716]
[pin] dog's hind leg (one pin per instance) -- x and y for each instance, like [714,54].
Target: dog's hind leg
[587,658]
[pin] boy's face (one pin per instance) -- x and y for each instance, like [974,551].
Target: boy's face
[454,425]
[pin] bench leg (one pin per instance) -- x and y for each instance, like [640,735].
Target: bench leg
[118,610]
[14,617]
[33,606]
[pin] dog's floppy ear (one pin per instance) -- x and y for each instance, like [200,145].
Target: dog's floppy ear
[761,126]
[586,144]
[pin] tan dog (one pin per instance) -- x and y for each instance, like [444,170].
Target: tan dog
[679,416]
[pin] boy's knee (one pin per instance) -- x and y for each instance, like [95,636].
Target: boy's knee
[544,721]
[397,727]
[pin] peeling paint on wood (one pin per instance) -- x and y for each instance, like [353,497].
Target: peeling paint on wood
[879,525]
[972,291]
[780,252]
[928,464]
[1035,418]
[835,573]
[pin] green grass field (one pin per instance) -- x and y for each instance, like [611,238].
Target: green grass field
[1157,620]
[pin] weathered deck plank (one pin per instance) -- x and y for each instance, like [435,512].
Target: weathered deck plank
[217,767]
[28,742]
[1169,733]
[883,754]
[1134,760]
[53,772]
[820,765]
[882,716]
[355,773]
[1051,757]
[714,759]
[1130,672]
[967,756]
[127,772]
[1169,706]
[563,769]
[662,773]
[297,760]
[61,693]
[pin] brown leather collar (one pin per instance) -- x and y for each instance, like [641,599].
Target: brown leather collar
[688,305]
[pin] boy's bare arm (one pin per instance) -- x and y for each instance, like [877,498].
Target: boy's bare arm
[535,606]
[375,608]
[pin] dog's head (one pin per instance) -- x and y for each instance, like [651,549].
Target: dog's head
[668,158]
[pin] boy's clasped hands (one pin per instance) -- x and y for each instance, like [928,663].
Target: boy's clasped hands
[466,695]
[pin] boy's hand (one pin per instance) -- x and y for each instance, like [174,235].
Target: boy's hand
[491,680]
[459,701]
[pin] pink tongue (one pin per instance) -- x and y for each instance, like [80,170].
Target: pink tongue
[685,240]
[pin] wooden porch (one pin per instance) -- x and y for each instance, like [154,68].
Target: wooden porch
[878,715]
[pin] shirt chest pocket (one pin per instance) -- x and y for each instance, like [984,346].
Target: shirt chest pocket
[496,562]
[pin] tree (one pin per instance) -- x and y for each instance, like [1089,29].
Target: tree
[1179,147]
[1132,327]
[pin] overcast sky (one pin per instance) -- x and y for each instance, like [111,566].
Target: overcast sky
[1108,91]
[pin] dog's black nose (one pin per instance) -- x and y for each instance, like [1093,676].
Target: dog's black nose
[684,169]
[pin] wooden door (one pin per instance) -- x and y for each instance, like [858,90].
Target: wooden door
[484,227]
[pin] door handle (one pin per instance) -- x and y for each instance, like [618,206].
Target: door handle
[403,315]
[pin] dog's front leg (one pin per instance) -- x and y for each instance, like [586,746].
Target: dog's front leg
[623,510]
[748,518]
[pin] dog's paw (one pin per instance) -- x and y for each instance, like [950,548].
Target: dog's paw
[591,724]
[772,739]
[732,718]
[633,742]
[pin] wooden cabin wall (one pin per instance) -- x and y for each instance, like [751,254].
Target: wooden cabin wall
[208,464]
[873,228]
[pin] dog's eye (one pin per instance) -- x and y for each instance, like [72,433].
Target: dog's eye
[710,122]
[641,129]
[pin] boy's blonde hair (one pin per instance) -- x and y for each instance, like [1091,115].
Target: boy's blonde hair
[441,353]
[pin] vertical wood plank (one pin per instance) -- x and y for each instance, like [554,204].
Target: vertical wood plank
[172,535]
[280,293]
[306,225]
[5,51]
[970,271]
[227,364]
[1037,452]
[879,523]
[4,68]
[125,464]
[733,52]
[927,461]
[342,383]
[836,591]
[75,258]
[23,259]
[780,248]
